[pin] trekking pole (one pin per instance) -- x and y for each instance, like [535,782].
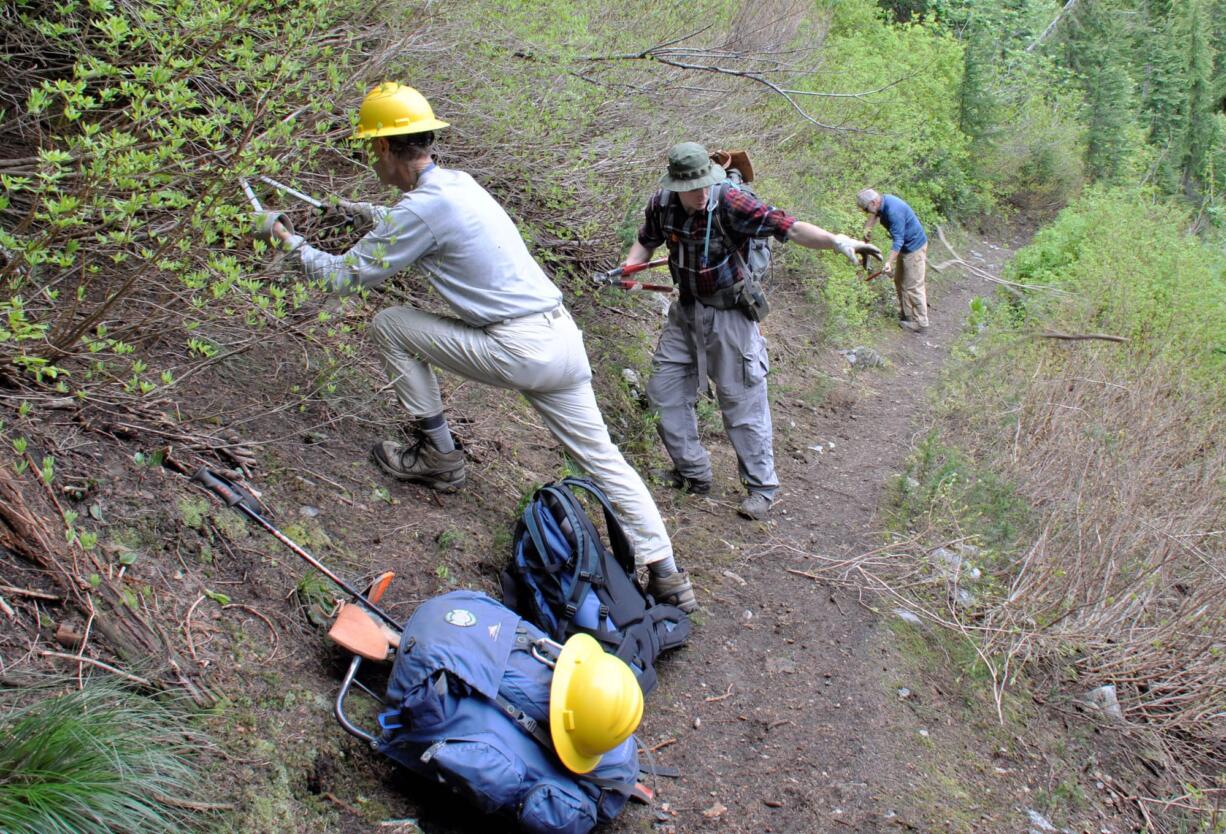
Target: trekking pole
[616,277]
[246,503]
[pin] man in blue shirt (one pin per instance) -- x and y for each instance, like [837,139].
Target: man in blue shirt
[908,256]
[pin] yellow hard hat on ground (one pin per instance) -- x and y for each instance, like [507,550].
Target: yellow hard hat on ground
[391,109]
[595,703]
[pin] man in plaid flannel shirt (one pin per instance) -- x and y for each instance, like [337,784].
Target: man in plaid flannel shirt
[707,224]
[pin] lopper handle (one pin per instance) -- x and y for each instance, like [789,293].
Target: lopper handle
[226,490]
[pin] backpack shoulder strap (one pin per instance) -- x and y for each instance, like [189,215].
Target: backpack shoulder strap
[588,570]
[732,244]
[618,540]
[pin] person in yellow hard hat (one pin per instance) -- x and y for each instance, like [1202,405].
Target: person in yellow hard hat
[510,328]
[595,703]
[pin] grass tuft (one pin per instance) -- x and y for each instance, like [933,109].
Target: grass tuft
[100,759]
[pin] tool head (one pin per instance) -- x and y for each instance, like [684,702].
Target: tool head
[356,631]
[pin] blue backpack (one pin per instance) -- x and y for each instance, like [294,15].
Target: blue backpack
[563,579]
[469,709]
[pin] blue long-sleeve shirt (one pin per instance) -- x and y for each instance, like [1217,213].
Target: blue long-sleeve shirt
[904,227]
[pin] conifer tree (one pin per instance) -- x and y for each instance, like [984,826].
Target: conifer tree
[1164,89]
[1202,122]
[1093,50]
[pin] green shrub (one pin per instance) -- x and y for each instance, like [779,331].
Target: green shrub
[99,760]
[1129,267]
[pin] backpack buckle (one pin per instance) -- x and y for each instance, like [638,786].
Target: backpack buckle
[571,610]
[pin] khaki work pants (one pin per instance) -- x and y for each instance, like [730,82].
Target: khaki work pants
[909,284]
[541,356]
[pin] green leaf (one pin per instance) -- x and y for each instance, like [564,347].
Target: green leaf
[217,597]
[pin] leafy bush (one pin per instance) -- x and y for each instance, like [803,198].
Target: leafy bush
[137,121]
[99,760]
[1129,267]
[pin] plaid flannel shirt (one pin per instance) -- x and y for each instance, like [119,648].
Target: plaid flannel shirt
[741,215]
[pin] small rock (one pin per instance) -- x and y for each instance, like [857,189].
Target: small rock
[952,565]
[631,377]
[964,599]
[775,665]
[903,693]
[747,616]
[735,577]
[1104,700]
[1040,825]
[715,811]
[912,484]
[908,617]
[697,722]
[923,733]
[308,511]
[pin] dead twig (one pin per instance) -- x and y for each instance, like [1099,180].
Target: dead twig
[661,745]
[24,592]
[98,663]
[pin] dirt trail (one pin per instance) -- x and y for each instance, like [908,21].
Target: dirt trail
[780,714]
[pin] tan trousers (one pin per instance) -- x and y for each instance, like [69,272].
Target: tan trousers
[541,356]
[909,284]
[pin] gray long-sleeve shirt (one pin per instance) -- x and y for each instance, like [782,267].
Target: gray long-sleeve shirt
[464,240]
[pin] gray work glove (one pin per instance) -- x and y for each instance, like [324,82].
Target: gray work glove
[265,220]
[366,211]
[853,249]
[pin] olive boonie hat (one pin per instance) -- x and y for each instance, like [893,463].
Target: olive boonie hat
[690,168]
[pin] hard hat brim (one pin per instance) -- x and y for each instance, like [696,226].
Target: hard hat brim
[392,130]
[577,649]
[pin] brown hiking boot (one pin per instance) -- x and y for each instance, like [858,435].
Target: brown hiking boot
[421,463]
[674,589]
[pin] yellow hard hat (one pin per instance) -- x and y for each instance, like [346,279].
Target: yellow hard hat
[595,703]
[390,109]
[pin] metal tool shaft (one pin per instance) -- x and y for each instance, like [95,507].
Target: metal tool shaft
[293,192]
[251,198]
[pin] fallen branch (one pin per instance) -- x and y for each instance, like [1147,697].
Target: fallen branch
[1051,27]
[1081,337]
[1011,286]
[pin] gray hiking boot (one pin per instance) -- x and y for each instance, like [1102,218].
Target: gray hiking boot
[755,507]
[694,486]
[907,324]
[674,589]
[421,463]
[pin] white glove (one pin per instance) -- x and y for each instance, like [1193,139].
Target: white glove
[846,247]
[852,249]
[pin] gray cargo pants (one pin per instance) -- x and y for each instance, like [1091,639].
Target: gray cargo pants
[541,356]
[737,363]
